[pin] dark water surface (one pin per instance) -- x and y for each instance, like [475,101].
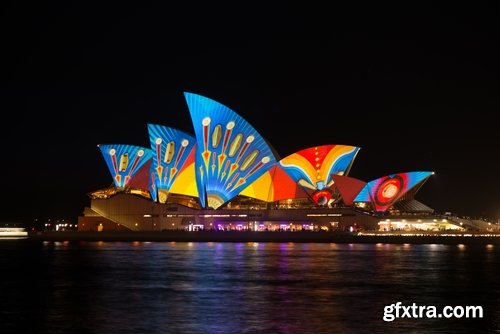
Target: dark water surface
[127,287]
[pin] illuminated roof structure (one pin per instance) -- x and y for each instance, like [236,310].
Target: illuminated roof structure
[173,157]
[227,157]
[124,161]
[385,191]
[313,168]
[230,153]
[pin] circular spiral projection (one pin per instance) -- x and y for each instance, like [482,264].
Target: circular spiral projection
[388,190]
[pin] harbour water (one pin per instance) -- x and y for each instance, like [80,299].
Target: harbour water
[234,287]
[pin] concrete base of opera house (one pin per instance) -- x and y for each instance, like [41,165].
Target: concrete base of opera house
[252,236]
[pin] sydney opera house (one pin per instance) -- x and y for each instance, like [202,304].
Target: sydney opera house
[227,177]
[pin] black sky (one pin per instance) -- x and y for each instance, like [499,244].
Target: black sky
[416,87]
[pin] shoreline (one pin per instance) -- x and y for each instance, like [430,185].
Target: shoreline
[252,236]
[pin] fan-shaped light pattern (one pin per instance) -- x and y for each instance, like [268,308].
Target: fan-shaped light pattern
[312,168]
[230,153]
[124,161]
[274,185]
[385,191]
[173,154]
[348,187]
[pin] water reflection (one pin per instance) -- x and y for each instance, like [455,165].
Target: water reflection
[174,287]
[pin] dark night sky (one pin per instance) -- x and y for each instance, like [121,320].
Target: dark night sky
[416,87]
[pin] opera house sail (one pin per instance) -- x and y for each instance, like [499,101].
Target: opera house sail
[230,153]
